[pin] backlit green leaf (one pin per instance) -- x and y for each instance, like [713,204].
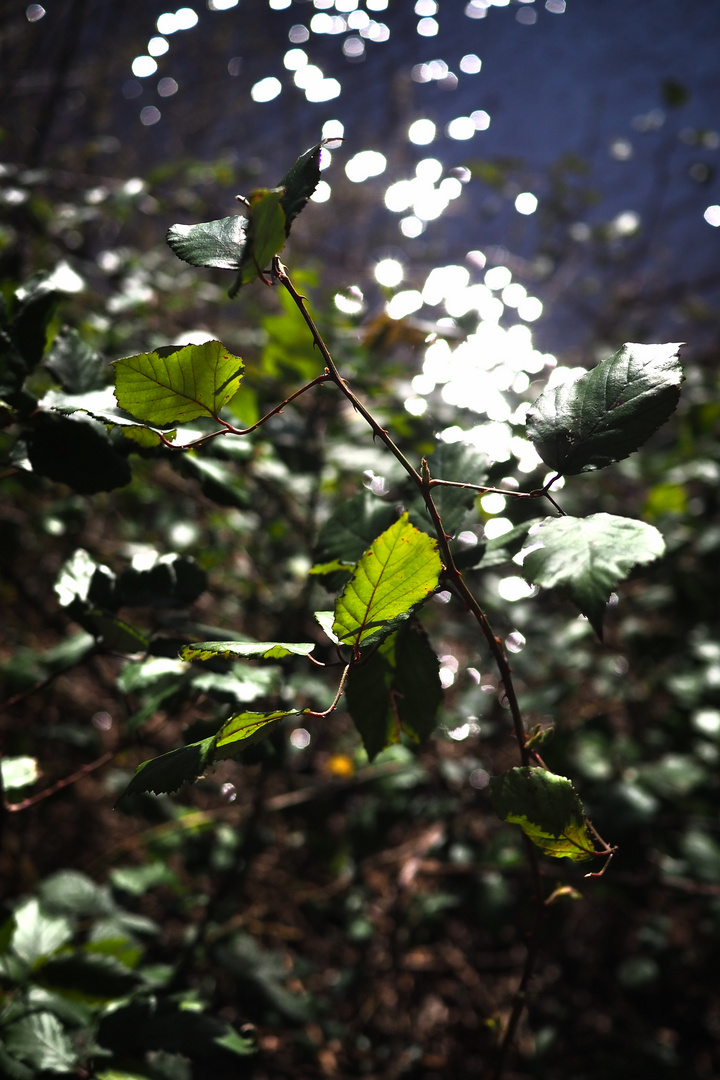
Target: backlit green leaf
[547,809]
[245,729]
[587,557]
[172,386]
[18,772]
[254,650]
[397,572]
[41,1041]
[265,235]
[609,412]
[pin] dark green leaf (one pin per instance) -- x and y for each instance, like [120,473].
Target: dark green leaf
[299,183]
[253,650]
[609,412]
[173,581]
[211,243]
[168,772]
[460,464]
[179,385]
[74,364]
[368,696]
[349,531]
[265,236]
[162,1025]
[587,557]
[547,809]
[76,453]
[90,976]
[396,690]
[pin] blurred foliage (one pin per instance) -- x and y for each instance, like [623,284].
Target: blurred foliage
[368,919]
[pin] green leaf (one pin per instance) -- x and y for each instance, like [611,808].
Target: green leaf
[76,366]
[77,453]
[18,772]
[89,976]
[253,650]
[211,243]
[162,1025]
[299,183]
[350,529]
[40,1040]
[265,235]
[245,729]
[69,892]
[609,412]
[38,934]
[173,386]
[547,809]
[587,557]
[168,772]
[397,572]
[460,464]
[396,690]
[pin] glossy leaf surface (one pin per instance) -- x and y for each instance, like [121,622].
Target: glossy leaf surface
[609,412]
[587,557]
[251,650]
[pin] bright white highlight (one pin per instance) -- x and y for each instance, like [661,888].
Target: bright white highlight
[266,89]
[364,165]
[389,272]
[514,588]
[712,215]
[404,303]
[526,203]
[422,132]
[463,127]
[143,66]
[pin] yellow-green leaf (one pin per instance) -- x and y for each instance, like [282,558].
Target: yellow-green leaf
[397,572]
[547,809]
[174,385]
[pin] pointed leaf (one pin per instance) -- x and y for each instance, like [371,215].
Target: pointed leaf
[396,690]
[254,650]
[299,183]
[179,385]
[587,557]
[325,620]
[265,235]
[246,728]
[167,773]
[609,412]
[211,243]
[399,570]
[547,809]
[76,366]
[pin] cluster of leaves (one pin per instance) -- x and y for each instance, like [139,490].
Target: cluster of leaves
[384,565]
[81,993]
